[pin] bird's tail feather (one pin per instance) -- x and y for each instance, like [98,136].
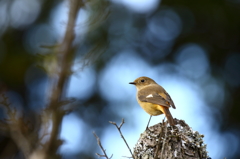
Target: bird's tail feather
[167,113]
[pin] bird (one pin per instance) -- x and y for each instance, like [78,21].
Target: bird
[153,98]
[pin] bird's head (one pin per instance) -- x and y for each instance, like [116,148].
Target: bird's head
[142,81]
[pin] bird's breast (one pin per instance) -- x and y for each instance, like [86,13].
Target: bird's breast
[150,108]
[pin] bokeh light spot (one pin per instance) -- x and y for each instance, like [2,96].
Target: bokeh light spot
[165,25]
[39,37]
[24,12]
[121,70]
[193,61]
[71,133]
[139,6]
[82,82]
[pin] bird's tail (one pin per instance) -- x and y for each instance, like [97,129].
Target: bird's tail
[167,113]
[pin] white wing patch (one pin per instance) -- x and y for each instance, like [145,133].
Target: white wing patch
[149,96]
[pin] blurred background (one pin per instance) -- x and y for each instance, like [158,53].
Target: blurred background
[191,48]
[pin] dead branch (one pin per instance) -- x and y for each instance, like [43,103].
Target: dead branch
[164,139]
[65,58]
[160,137]
[119,130]
[100,145]
[165,142]
[13,124]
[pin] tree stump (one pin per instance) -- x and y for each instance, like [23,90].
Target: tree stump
[163,141]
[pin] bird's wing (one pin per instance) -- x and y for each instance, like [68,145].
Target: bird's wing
[145,96]
[169,99]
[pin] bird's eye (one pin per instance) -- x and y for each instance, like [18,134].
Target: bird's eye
[142,80]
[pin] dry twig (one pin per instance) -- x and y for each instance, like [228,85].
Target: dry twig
[13,124]
[100,145]
[119,129]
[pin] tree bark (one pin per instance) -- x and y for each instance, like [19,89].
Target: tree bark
[163,141]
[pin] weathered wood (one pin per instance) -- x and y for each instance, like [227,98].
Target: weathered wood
[163,141]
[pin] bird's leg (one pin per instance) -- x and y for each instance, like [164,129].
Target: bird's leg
[163,119]
[148,122]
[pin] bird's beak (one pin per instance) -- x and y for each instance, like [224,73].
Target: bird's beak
[132,83]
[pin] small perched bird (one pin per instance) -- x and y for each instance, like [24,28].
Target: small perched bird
[153,98]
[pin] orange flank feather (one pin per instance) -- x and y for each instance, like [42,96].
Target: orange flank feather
[167,114]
